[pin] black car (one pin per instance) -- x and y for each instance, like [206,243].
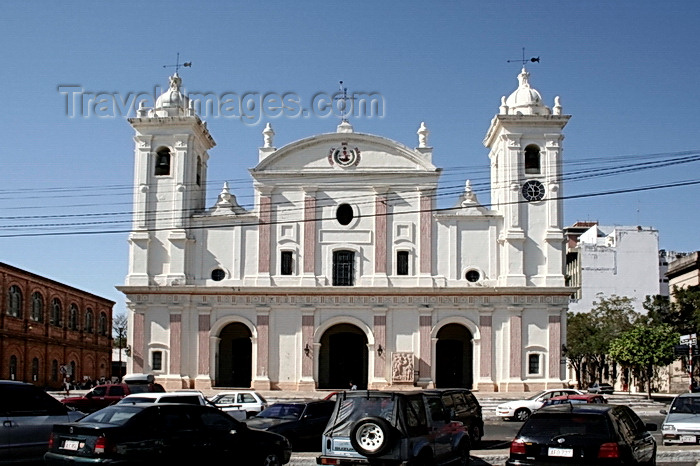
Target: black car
[163,433]
[302,422]
[594,434]
[463,406]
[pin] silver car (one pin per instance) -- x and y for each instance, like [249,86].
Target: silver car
[28,414]
[682,423]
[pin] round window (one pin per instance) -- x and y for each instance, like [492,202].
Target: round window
[217,275]
[344,214]
[473,276]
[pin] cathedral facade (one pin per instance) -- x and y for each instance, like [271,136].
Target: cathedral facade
[345,270]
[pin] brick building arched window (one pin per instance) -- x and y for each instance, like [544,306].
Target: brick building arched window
[37,307]
[14,301]
[73,317]
[102,329]
[56,312]
[54,370]
[35,369]
[13,367]
[89,321]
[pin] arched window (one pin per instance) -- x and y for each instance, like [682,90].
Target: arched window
[56,312]
[163,162]
[89,319]
[343,268]
[532,159]
[37,307]
[54,370]
[73,375]
[73,317]
[14,301]
[199,171]
[13,367]
[35,369]
[103,324]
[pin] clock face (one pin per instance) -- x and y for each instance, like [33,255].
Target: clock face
[533,190]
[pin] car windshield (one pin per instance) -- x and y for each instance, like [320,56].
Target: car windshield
[137,399]
[113,415]
[548,426]
[536,395]
[283,411]
[687,405]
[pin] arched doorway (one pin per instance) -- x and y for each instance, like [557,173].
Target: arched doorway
[454,357]
[343,358]
[235,357]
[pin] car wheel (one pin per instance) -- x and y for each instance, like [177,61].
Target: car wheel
[271,459]
[475,436]
[371,436]
[463,455]
[522,414]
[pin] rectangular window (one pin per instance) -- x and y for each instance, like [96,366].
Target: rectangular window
[402,263]
[533,364]
[343,265]
[286,263]
[157,360]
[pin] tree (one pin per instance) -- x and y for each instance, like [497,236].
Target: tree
[580,332]
[645,347]
[683,313]
[119,327]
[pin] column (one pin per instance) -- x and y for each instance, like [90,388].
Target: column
[515,379]
[261,380]
[555,364]
[137,347]
[264,236]
[175,343]
[380,244]
[203,379]
[426,236]
[486,361]
[307,381]
[425,325]
[309,245]
[379,330]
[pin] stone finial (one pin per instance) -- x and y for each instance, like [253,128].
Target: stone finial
[503,109]
[423,133]
[469,196]
[344,127]
[557,106]
[268,134]
[225,196]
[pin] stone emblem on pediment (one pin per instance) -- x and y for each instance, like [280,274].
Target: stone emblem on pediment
[344,156]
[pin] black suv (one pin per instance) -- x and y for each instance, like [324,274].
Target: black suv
[389,428]
[595,434]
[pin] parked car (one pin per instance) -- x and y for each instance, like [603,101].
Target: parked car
[682,422]
[161,434]
[28,414]
[188,397]
[462,406]
[520,410]
[601,388]
[389,428]
[107,394]
[248,400]
[595,434]
[575,399]
[302,421]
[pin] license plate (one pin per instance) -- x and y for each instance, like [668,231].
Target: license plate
[70,445]
[688,439]
[561,452]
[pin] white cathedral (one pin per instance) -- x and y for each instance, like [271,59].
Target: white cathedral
[344,270]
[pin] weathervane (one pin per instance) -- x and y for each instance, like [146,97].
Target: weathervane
[524,60]
[177,64]
[342,102]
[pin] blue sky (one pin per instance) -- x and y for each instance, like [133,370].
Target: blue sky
[626,70]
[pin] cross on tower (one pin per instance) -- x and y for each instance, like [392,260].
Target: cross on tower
[177,64]
[524,60]
[342,102]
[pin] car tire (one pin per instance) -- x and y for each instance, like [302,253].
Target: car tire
[271,459]
[521,414]
[463,455]
[372,436]
[475,436]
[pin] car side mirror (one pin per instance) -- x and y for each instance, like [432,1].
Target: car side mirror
[663,411]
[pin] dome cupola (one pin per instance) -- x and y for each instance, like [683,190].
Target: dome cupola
[525,100]
[172,101]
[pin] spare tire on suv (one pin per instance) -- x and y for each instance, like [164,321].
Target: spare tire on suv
[372,436]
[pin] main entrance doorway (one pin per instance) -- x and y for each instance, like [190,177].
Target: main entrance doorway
[343,358]
[235,357]
[454,357]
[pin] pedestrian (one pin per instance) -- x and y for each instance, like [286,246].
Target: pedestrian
[353,386]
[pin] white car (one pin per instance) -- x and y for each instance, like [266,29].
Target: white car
[188,397]
[248,400]
[520,410]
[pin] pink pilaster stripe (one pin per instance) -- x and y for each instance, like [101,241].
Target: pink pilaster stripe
[554,347]
[263,325]
[426,350]
[380,339]
[264,235]
[175,340]
[426,233]
[516,332]
[380,232]
[309,234]
[137,347]
[307,334]
[203,359]
[486,331]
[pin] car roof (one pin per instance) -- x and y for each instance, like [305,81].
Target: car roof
[592,408]
[156,395]
[303,402]
[576,396]
[378,393]
[14,382]
[689,395]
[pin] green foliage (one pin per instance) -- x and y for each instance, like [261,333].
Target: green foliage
[683,313]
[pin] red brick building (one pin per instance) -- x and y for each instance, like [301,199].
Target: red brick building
[45,325]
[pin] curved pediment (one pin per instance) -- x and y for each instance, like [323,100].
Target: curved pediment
[334,153]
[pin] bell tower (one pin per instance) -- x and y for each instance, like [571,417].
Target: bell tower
[525,143]
[170,174]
